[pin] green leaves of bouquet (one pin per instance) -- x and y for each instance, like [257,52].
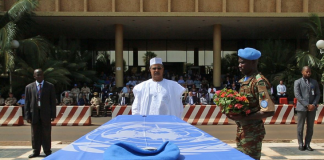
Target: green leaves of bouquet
[231,102]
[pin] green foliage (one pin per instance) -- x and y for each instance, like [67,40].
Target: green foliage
[103,62]
[74,59]
[278,62]
[306,59]
[228,61]
[147,57]
[231,102]
[60,66]
[20,8]
[276,55]
[314,26]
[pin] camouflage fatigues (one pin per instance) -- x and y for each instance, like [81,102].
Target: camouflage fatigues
[67,101]
[250,133]
[85,90]
[2,101]
[10,101]
[75,92]
[95,103]
[108,103]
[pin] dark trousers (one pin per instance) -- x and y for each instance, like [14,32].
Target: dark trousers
[309,116]
[41,136]
[23,111]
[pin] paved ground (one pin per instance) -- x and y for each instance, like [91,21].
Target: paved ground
[279,143]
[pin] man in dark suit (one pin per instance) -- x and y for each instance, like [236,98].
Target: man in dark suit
[123,100]
[191,99]
[307,93]
[40,110]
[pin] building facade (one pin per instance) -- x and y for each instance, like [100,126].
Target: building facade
[187,31]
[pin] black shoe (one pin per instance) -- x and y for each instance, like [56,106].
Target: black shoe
[33,155]
[307,147]
[47,155]
[301,148]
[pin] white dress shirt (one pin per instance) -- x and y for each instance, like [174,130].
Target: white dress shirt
[281,88]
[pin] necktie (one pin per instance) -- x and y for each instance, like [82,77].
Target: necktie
[307,82]
[39,90]
[39,94]
[191,100]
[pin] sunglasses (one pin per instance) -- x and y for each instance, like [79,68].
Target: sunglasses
[159,68]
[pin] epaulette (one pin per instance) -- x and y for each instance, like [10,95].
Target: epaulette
[258,77]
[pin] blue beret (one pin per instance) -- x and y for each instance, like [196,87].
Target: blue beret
[23,95]
[249,53]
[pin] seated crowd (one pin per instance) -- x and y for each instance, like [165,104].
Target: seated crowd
[103,94]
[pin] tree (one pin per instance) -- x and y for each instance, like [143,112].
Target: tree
[147,57]
[74,59]
[103,62]
[60,65]
[314,31]
[12,25]
[228,61]
[8,32]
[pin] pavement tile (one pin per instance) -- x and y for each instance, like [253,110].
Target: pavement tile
[277,157]
[12,153]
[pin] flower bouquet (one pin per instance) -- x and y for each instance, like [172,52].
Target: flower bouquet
[231,102]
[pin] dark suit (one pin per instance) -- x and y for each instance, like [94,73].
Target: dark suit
[40,116]
[194,99]
[126,100]
[304,95]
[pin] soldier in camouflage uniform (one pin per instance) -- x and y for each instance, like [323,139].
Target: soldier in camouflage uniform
[67,100]
[85,90]
[10,101]
[75,92]
[95,102]
[108,103]
[2,102]
[250,127]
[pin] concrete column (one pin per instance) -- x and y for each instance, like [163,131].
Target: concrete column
[278,6]
[113,6]
[196,6]
[2,5]
[251,6]
[196,57]
[119,55]
[217,37]
[135,57]
[305,6]
[169,5]
[85,5]
[141,5]
[224,5]
[57,5]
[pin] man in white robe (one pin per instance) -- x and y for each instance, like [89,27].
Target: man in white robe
[158,96]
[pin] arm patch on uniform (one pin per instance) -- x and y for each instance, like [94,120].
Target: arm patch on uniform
[261,83]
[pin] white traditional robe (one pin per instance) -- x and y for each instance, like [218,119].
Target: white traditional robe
[158,98]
